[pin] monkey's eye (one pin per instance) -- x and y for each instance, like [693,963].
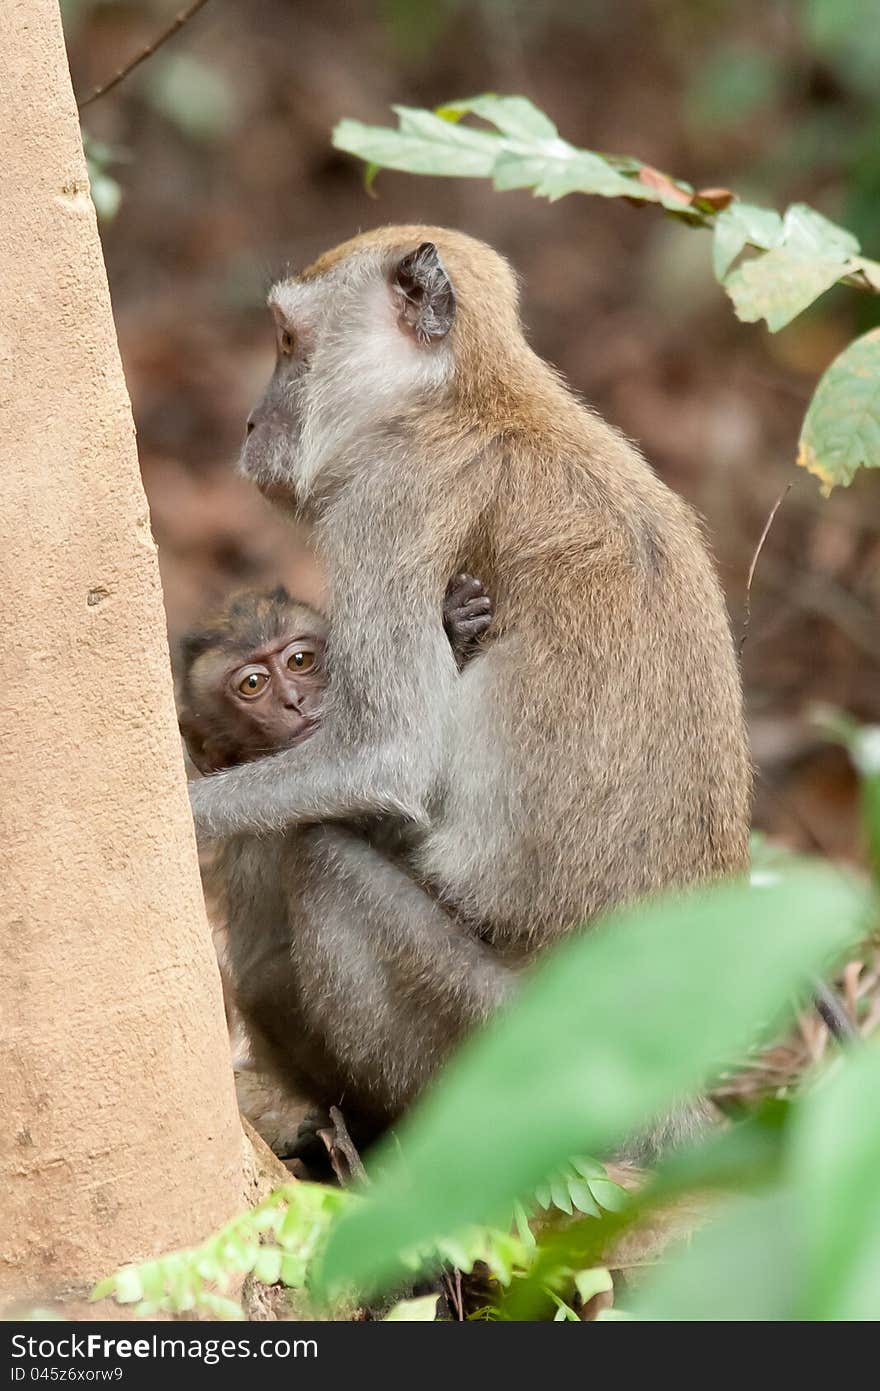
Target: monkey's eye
[253,683]
[300,660]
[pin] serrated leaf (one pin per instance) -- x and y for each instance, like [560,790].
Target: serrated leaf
[515,116]
[841,430]
[741,225]
[779,285]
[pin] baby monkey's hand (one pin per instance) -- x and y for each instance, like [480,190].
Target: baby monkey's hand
[467,613]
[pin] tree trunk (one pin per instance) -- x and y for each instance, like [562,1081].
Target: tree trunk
[120,1135]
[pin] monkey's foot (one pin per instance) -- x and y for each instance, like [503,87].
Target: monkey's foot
[307,1146]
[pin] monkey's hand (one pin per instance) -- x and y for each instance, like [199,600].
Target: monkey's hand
[467,613]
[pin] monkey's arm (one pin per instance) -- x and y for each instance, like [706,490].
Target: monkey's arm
[310,782]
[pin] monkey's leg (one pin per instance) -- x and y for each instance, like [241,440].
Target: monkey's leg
[389,980]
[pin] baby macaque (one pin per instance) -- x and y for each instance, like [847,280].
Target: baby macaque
[252,681]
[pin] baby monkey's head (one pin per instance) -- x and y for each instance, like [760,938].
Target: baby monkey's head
[251,679]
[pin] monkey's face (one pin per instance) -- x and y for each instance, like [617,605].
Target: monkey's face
[254,703]
[359,337]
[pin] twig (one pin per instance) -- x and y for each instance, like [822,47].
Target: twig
[176,24]
[339,1143]
[747,610]
[835,1018]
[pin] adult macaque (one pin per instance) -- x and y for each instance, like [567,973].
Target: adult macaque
[594,752]
[252,681]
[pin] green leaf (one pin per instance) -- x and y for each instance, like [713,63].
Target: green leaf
[197,98]
[741,225]
[835,1167]
[708,969]
[589,1168]
[581,171]
[515,116]
[841,430]
[424,144]
[564,1312]
[582,1198]
[267,1266]
[129,1288]
[421,1310]
[870,270]
[221,1307]
[744,1267]
[293,1271]
[609,1195]
[591,1282]
[501,1251]
[779,285]
[560,1196]
[808,233]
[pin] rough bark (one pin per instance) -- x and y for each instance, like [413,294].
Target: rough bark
[119,1135]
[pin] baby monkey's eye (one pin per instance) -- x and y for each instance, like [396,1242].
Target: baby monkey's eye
[300,660]
[253,683]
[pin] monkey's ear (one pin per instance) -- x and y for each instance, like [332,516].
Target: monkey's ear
[424,292]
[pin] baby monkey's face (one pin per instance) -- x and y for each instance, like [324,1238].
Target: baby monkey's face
[249,704]
[275,694]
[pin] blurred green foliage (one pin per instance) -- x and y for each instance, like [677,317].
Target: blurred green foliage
[611,1030]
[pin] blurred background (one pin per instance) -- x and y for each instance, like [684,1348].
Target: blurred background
[216,172]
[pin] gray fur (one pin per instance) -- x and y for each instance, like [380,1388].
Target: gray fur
[592,753]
